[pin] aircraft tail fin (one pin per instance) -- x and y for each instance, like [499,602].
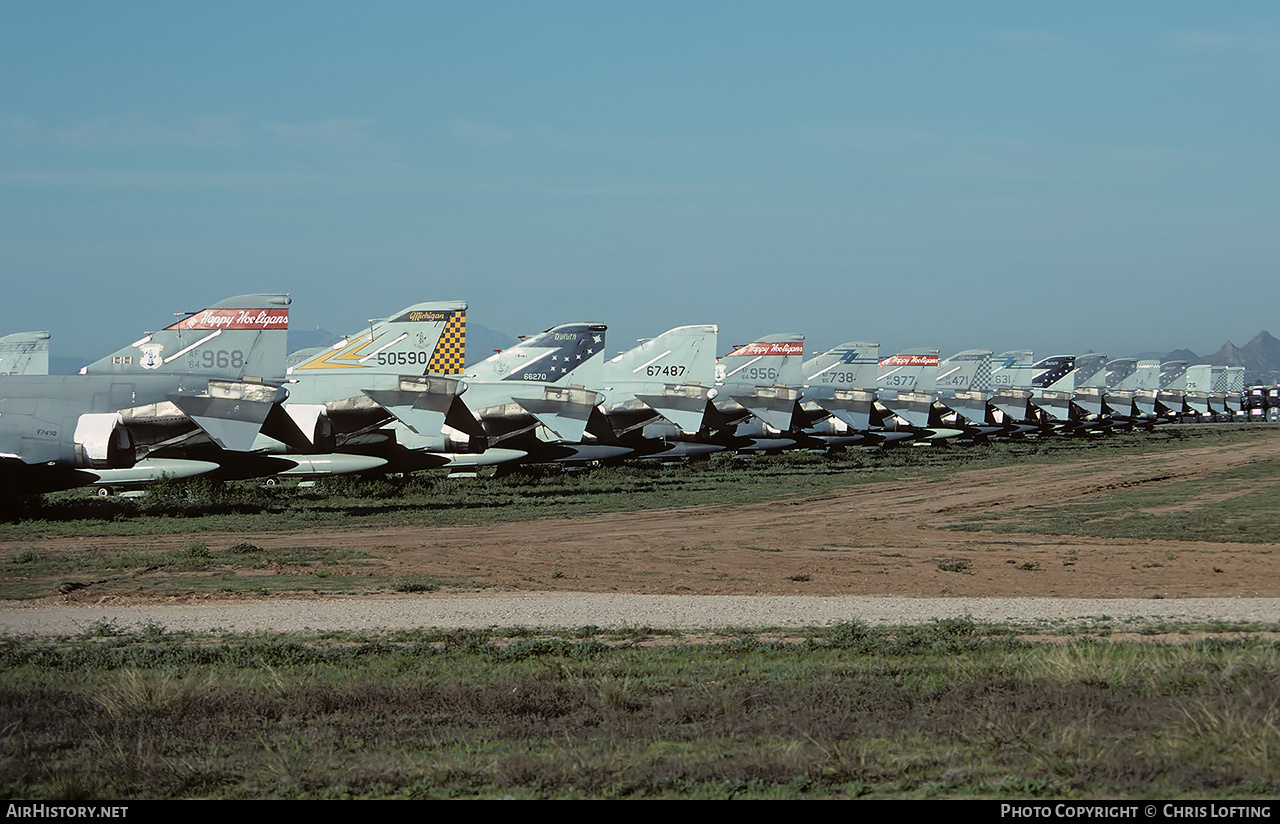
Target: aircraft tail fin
[672,374]
[963,371]
[774,360]
[852,365]
[1013,370]
[1091,371]
[764,377]
[424,338]
[563,355]
[24,353]
[1055,374]
[544,375]
[902,372]
[240,338]
[684,355]
[231,413]
[1173,375]
[1147,375]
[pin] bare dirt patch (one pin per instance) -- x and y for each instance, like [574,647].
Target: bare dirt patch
[877,539]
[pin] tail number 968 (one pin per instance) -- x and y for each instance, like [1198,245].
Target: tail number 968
[216,359]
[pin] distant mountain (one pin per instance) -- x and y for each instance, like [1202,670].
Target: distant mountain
[1260,358]
[311,338]
[483,341]
[1183,355]
[66,366]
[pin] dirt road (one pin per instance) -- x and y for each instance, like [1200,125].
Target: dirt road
[879,539]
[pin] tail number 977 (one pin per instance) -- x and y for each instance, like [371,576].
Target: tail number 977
[403,358]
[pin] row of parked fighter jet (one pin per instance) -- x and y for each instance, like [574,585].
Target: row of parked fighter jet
[216,393]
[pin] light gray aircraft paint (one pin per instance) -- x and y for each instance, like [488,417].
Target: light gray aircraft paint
[551,379]
[24,353]
[219,369]
[671,375]
[840,382]
[897,382]
[763,379]
[962,383]
[412,362]
[332,389]
[1091,384]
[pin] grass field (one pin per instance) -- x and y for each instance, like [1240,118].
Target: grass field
[434,499]
[945,710]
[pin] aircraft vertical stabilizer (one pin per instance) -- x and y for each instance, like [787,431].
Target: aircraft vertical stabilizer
[218,369]
[672,374]
[331,389]
[553,377]
[764,378]
[839,383]
[24,353]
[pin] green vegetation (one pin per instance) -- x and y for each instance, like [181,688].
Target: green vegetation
[948,709]
[193,568]
[434,499]
[1240,505]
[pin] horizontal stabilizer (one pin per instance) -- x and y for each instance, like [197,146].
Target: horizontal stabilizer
[1012,402]
[775,405]
[1091,399]
[684,405]
[1057,405]
[420,403]
[232,413]
[914,407]
[851,407]
[563,410]
[971,405]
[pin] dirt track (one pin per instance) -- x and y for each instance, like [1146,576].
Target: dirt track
[878,539]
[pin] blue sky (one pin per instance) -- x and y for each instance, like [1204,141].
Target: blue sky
[1053,176]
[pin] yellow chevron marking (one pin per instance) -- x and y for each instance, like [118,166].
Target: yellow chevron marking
[332,359]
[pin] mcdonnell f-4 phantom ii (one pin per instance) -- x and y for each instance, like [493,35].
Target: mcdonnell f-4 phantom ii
[534,398]
[658,395]
[757,406]
[840,398]
[216,372]
[336,397]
